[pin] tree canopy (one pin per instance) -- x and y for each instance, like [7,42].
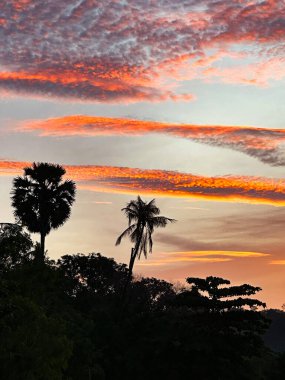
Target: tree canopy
[60,321]
[41,199]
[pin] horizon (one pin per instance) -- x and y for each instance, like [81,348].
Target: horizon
[178,102]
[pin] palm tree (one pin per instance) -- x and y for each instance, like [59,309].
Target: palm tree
[143,219]
[42,200]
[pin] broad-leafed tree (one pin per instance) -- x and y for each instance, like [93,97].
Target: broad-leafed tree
[42,200]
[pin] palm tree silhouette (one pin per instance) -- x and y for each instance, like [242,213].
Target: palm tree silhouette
[143,219]
[42,200]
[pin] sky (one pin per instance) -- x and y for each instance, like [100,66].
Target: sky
[181,101]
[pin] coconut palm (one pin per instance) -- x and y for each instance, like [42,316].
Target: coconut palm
[42,200]
[143,218]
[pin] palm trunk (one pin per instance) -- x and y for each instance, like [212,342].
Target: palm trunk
[129,276]
[42,250]
[131,264]
[134,254]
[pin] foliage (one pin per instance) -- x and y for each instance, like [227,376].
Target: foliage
[219,297]
[15,246]
[143,218]
[33,344]
[60,320]
[41,199]
[94,273]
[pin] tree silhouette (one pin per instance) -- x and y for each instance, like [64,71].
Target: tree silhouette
[143,218]
[42,200]
[216,296]
[15,247]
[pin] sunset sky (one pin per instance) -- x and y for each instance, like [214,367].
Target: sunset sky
[182,101]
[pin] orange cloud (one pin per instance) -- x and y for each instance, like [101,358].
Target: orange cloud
[238,254]
[263,143]
[114,51]
[113,87]
[277,262]
[201,256]
[190,259]
[169,183]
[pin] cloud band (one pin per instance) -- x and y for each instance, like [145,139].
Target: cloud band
[169,183]
[111,51]
[267,145]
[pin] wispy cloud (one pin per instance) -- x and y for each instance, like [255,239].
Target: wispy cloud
[169,183]
[200,256]
[103,202]
[71,86]
[277,262]
[267,145]
[189,208]
[133,51]
[238,254]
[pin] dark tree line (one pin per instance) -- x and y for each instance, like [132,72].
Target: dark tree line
[69,319]
[61,320]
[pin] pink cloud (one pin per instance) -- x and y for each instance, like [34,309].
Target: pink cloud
[165,183]
[265,144]
[115,51]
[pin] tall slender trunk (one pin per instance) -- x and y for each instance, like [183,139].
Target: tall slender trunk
[131,264]
[43,224]
[129,276]
[134,254]
[42,250]
[132,261]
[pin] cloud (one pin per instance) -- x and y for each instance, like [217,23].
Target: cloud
[260,74]
[238,254]
[129,50]
[267,145]
[277,262]
[70,87]
[103,202]
[244,227]
[241,229]
[183,260]
[201,256]
[169,183]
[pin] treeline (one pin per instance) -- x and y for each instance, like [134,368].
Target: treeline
[67,320]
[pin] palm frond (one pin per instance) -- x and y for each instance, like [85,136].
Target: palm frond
[143,218]
[152,208]
[143,246]
[128,232]
[41,199]
[161,221]
[131,214]
[150,242]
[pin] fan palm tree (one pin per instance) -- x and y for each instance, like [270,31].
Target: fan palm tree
[143,218]
[42,200]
